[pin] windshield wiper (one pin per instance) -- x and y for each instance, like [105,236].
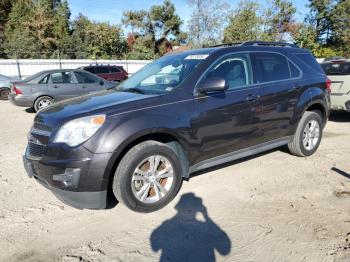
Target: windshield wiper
[134,89]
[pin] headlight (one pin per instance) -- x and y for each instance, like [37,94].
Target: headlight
[79,130]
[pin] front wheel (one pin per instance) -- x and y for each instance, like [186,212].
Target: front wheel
[308,135]
[148,177]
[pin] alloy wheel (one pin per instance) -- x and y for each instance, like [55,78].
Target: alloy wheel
[152,179]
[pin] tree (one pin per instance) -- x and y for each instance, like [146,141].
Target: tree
[5,9]
[15,29]
[340,22]
[206,22]
[61,31]
[319,18]
[278,20]
[95,40]
[244,23]
[41,27]
[159,23]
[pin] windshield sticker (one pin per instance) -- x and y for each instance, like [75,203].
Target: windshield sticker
[197,57]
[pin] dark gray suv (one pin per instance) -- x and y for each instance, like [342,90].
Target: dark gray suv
[139,140]
[46,87]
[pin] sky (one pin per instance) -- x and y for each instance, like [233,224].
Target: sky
[112,10]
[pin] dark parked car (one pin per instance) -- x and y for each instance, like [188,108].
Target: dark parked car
[139,140]
[45,88]
[109,72]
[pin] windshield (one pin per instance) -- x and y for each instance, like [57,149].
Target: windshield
[162,75]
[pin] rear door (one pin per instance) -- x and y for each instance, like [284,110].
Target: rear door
[62,85]
[281,86]
[88,83]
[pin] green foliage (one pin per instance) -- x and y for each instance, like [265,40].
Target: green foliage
[43,29]
[244,23]
[5,9]
[140,51]
[152,27]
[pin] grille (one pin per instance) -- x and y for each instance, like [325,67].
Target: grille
[36,150]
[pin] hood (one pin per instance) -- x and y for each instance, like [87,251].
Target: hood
[105,102]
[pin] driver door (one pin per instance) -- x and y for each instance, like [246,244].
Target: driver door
[228,120]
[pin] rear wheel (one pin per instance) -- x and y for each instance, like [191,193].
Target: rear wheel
[148,177]
[308,135]
[42,102]
[4,93]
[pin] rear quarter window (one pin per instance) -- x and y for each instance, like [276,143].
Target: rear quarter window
[115,70]
[336,68]
[310,61]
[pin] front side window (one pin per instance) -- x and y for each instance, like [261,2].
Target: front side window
[62,78]
[273,67]
[235,69]
[84,78]
[164,74]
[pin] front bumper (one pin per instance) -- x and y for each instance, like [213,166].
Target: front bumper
[21,100]
[79,182]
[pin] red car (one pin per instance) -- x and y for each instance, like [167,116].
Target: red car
[109,72]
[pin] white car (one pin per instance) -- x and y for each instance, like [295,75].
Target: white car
[5,86]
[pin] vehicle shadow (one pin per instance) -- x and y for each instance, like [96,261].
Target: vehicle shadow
[339,116]
[185,237]
[30,110]
[341,172]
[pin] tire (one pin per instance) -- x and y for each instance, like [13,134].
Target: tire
[305,143]
[127,187]
[41,101]
[4,93]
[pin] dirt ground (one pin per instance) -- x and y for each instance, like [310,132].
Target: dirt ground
[270,207]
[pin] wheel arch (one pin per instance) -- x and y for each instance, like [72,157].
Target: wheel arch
[162,136]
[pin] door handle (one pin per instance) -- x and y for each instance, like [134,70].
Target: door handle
[295,88]
[84,86]
[252,97]
[55,86]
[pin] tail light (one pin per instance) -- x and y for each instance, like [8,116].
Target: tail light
[16,91]
[328,84]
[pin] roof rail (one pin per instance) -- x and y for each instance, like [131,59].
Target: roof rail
[265,43]
[258,43]
[227,44]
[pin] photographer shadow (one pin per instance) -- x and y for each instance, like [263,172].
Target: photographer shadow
[191,235]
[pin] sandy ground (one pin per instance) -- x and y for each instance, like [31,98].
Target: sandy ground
[271,207]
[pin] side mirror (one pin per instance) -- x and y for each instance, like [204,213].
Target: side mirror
[212,84]
[102,83]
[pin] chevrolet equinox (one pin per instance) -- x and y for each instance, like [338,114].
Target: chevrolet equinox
[182,113]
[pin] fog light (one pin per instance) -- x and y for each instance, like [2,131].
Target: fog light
[70,178]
